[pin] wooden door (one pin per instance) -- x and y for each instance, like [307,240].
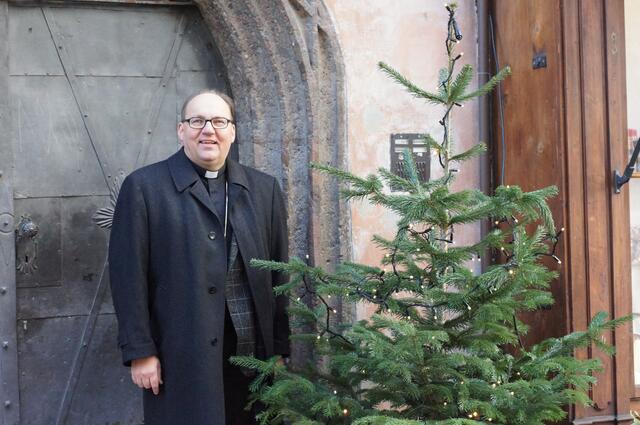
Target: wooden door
[565,124]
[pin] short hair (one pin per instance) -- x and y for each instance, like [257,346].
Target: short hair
[227,99]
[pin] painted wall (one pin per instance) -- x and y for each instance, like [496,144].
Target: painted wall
[410,37]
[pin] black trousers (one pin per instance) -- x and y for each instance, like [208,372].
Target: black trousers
[236,384]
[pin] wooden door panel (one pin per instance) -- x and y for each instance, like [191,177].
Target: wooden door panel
[568,120]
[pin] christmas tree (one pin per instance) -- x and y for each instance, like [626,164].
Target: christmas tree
[444,345]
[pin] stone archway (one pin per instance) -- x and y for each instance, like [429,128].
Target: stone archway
[285,73]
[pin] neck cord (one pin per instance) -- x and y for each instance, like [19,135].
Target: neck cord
[226,207]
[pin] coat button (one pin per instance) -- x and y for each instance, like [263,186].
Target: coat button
[212,235]
[213,290]
[214,341]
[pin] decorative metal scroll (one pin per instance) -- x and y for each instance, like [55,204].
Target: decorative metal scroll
[104,216]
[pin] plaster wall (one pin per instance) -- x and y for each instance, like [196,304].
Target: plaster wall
[410,37]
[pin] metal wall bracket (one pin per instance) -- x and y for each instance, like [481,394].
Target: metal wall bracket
[539,61]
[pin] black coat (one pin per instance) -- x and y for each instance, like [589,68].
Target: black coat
[167,264]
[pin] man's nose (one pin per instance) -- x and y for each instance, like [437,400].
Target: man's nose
[208,127]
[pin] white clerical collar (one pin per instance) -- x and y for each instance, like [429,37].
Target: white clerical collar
[211,174]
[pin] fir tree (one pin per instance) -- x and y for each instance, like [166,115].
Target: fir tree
[444,344]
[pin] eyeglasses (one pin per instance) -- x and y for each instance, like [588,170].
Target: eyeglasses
[216,122]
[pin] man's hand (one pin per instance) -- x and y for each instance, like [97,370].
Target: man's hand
[145,373]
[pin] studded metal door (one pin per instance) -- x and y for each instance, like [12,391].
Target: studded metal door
[94,91]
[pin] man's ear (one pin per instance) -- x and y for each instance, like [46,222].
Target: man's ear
[180,131]
[233,129]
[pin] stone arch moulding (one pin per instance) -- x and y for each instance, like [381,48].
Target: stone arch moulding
[286,74]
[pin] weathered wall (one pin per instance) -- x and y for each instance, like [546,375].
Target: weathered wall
[410,38]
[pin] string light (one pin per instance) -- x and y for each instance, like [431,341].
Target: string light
[475,414]
[512,393]
[345,412]
[335,392]
[445,403]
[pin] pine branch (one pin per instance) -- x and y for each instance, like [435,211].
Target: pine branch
[488,86]
[460,84]
[411,87]
[476,150]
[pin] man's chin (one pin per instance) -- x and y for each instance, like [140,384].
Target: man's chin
[210,163]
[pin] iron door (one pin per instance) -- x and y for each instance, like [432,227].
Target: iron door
[94,92]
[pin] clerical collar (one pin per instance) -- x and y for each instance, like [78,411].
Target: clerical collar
[202,172]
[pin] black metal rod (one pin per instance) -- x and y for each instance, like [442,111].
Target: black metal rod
[621,180]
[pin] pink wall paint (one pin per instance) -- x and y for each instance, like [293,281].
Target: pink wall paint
[408,35]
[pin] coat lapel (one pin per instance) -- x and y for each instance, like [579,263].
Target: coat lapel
[185,176]
[242,216]
[200,193]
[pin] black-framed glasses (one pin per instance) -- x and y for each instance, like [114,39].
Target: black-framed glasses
[198,123]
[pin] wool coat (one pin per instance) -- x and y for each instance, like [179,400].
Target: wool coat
[167,263]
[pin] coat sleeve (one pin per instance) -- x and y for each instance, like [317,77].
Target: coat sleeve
[128,266]
[279,248]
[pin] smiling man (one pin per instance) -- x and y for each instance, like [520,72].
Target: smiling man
[186,298]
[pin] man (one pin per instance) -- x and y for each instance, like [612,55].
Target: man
[186,298]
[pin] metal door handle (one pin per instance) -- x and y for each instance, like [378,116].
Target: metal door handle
[26,245]
[621,180]
[26,228]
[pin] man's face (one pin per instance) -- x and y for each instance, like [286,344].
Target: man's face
[207,147]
